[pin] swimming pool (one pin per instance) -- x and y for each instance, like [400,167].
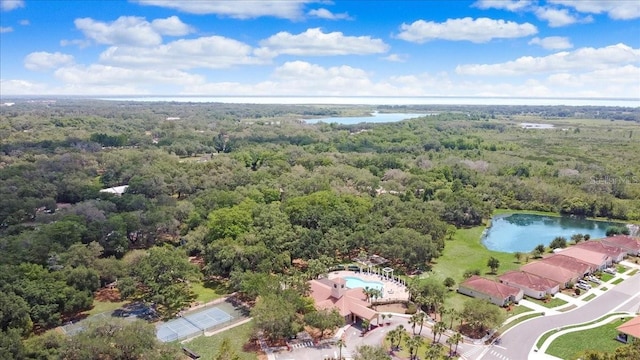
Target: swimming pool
[354,282]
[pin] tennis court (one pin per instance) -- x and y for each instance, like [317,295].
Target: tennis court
[192,324]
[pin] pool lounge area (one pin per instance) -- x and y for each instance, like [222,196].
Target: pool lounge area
[391,289]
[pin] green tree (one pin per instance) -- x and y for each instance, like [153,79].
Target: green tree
[454,339]
[493,264]
[368,352]
[276,321]
[340,344]
[14,314]
[434,351]
[414,343]
[439,328]
[117,339]
[225,352]
[165,275]
[482,315]
[518,255]
[449,282]
[558,242]
[324,320]
[11,346]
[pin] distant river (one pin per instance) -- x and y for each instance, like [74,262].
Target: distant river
[523,232]
[375,117]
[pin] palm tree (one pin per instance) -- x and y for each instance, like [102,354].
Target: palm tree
[414,344]
[392,337]
[455,315]
[367,292]
[340,344]
[439,328]
[401,333]
[433,351]
[454,339]
[383,317]
[421,318]
[413,321]
[389,318]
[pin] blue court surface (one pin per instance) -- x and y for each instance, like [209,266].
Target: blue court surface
[192,324]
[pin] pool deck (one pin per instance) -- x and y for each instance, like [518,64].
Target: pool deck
[392,289]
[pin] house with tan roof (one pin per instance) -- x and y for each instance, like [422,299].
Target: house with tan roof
[616,253]
[495,292]
[333,294]
[630,244]
[597,259]
[556,273]
[629,330]
[532,285]
[569,263]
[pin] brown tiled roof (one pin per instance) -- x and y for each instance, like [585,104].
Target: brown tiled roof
[489,287]
[624,241]
[568,262]
[551,272]
[528,280]
[353,301]
[603,248]
[631,327]
[588,256]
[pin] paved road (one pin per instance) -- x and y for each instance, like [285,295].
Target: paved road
[518,342]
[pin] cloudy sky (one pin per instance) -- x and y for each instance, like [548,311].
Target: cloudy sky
[511,48]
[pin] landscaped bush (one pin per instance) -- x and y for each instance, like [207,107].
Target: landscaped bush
[411,308]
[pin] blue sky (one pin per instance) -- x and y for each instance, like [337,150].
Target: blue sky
[523,48]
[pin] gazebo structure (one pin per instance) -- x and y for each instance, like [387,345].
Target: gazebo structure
[386,271]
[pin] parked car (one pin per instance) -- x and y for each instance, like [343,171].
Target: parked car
[584,283]
[610,271]
[583,286]
[595,280]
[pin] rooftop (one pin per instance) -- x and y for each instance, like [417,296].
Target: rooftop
[528,280]
[489,287]
[631,327]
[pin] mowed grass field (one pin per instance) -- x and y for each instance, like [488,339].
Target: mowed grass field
[207,346]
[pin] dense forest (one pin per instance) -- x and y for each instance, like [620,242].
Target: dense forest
[248,189]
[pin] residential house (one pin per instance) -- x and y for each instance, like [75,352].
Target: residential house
[532,285]
[116,190]
[559,274]
[594,258]
[351,303]
[616,253]
[629,330]
[569,263]
[495,292]
[630,244]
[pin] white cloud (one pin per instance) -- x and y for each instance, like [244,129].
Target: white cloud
[8,5]
[5,29]
[97,74]
[552,42]
[475,30]
[81,43]
[323,13]
[24,22]
[171,26]
[213,52]
[555,17]
[314,42]
[42,60]
[615,9]
[246,9]
[132,30]
[396,58]
[511,5]
[580,59]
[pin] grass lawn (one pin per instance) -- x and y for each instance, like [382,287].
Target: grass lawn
[551,304]
[466,252]
[621,269]
[589,297]
[518,321]
[404,349]
[617,281]
[104,306]
[604,288]
[208,291]
[633,272]
[601,338]
[207,346]
[606,277]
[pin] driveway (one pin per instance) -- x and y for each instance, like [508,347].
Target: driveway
[518,343]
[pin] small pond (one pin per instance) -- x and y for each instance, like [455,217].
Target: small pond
[375,117]
[523,232]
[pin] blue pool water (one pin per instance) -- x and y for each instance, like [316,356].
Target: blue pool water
[354,282]
[523,232]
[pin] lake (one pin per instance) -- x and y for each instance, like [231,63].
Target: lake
[523,232]
[375,117]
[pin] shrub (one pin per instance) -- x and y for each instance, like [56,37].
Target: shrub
[411,309]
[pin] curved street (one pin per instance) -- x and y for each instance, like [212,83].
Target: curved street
[519,342]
